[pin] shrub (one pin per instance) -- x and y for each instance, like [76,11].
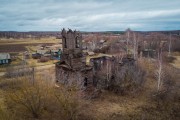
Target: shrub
[37,99]
[29,99]
[121,79]
[43,59]
[128,79]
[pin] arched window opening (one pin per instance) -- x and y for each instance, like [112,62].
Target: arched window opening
[65,42]
[77,42]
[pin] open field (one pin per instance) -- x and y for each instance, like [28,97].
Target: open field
[29,41]
[17,46]
[14,45]
[30,62]
[13,48]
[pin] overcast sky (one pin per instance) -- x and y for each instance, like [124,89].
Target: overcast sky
[89,15]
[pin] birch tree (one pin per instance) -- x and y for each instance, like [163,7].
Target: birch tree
[169,53]
[134,46]
[127,42]
[108,72]
[159,73]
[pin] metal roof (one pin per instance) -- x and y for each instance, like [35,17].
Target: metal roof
[4,56]
[88,58]
[41,51]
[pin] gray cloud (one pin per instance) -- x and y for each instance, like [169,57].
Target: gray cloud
[89,15]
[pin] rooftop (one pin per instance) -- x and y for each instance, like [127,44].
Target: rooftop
[4,56]
[99,55]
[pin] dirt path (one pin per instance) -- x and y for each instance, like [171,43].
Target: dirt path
[37,68]
[2,74]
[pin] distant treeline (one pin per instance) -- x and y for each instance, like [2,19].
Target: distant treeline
[57,34]
[35,35]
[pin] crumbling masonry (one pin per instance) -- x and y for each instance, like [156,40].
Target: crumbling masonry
[72,68]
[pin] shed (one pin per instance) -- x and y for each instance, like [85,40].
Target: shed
[42,52]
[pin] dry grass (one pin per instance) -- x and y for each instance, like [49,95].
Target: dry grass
[29,41]
[35,63]
[39,99]
[176,62]
[18,46]
[110,106]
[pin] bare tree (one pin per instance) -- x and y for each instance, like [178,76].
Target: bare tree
[40,100]
[170,44]
[159,73]
[121,78]
[127,42]
[134,47]
[30,98]
[108,72]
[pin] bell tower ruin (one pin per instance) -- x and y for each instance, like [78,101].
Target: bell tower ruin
[72,49]
[71,40]
[72,68]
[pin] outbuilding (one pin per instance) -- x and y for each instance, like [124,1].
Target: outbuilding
[5,58]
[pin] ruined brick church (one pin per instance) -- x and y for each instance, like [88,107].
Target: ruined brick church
[72,68]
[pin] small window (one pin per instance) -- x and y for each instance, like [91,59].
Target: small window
[85,82]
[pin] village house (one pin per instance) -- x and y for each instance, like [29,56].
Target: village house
[5,58]
[51,54]
[40,53]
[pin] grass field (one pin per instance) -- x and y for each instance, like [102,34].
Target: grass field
[29,41]
[176,63]
[17,46]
